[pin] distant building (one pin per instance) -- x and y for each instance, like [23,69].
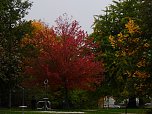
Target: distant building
[107,102]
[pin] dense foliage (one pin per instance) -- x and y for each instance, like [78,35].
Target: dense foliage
[126,47]
[12,29]
[65,56]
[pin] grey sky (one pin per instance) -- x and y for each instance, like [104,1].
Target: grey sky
[81,10]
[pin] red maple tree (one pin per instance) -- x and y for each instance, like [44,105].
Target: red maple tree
[66,57]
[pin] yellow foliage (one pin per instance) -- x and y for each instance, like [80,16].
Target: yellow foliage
[135,40]
[141,74]
[132,27]
[123,53]
[141,63]
[128,73]
[128,45]
[112,41]
[146,45]
[131,52]
[38,26]
[120,37]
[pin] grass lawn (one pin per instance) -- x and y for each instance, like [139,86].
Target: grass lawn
[95,111]
[117,111]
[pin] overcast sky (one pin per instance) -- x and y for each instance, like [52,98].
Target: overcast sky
[81,10]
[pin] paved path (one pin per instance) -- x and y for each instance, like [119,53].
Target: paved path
[58,112]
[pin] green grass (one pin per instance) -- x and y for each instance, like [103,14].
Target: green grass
[117,111]
[95,111]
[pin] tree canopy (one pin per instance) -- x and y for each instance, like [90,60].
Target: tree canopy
[65,56]
[125,48]
[12,29]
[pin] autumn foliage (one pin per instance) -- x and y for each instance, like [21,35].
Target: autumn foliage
[129,44]
[65,56]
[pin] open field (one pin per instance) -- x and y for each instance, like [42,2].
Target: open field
[95,111]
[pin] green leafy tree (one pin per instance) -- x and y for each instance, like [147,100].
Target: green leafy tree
[146,14]
[112,24]
[12,29]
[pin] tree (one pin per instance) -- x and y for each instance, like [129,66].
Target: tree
[66,57]
[118,61]
[112,23]
[146,9]
[11,32]
[130,50]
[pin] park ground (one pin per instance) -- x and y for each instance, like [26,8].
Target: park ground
[80,111]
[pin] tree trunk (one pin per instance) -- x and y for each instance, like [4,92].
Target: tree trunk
[66,97]
[132,102]
[141,102]
[10,98]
